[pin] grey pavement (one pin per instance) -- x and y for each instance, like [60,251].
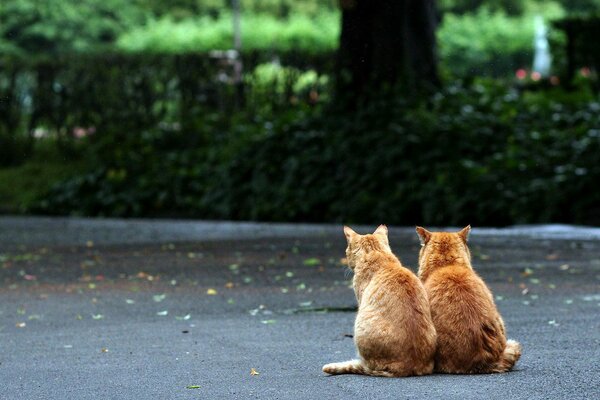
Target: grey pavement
[77,231]
[144,309]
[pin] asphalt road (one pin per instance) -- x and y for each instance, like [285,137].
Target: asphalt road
[115,309]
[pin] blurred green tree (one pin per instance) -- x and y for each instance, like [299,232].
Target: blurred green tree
[51,27]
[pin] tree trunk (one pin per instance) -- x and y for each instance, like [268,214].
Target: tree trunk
[385,43]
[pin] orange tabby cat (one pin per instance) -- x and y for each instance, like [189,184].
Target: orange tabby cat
[393,331]
[471,336]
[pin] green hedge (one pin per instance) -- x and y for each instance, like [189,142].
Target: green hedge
[483,154]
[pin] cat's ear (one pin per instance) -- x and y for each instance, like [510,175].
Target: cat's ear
[382,233]
[464,233]
[424,235]
[350,234]
[381,230]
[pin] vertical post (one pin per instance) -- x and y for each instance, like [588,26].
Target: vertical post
[237,37]
[237,62]
[571,63]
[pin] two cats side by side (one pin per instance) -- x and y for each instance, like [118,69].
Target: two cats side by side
[444,320]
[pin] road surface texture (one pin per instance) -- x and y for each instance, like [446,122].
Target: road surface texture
[114,309]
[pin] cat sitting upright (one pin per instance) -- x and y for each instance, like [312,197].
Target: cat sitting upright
[471,335]
[393,331]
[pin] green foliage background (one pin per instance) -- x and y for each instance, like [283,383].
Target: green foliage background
[490,37]
[165,133]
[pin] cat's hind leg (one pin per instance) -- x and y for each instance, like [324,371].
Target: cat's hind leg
[352,367]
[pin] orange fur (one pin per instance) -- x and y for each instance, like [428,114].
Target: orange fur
[471,334]
[393,331]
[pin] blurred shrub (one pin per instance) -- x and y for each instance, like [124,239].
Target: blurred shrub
[63,100]
[481,154]
[492,40]
[273,87]
[485,43]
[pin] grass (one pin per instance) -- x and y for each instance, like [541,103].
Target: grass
[259,32]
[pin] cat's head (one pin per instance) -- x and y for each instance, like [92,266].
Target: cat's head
[443,248]
[360,245]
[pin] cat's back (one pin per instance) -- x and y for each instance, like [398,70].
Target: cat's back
[469,327]
[394,314]
[397,280]
[397,295]
[460,287]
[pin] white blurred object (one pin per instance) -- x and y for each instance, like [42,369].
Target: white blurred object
[542,59]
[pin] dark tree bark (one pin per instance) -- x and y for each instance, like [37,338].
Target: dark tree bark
[384,43]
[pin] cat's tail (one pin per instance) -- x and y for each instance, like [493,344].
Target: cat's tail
[353,367]
[510,356]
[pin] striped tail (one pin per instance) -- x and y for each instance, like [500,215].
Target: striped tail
[510,356]
[352,367]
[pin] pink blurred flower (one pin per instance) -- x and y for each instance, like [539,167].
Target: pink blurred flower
[536,76]
[521,74]
[80,132]
[585,71]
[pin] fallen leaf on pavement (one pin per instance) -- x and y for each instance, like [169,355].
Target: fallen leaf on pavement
[21,325]
[159,297]
[254,372]
[211,292]
[527,272]
[312,261]
[193,387]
